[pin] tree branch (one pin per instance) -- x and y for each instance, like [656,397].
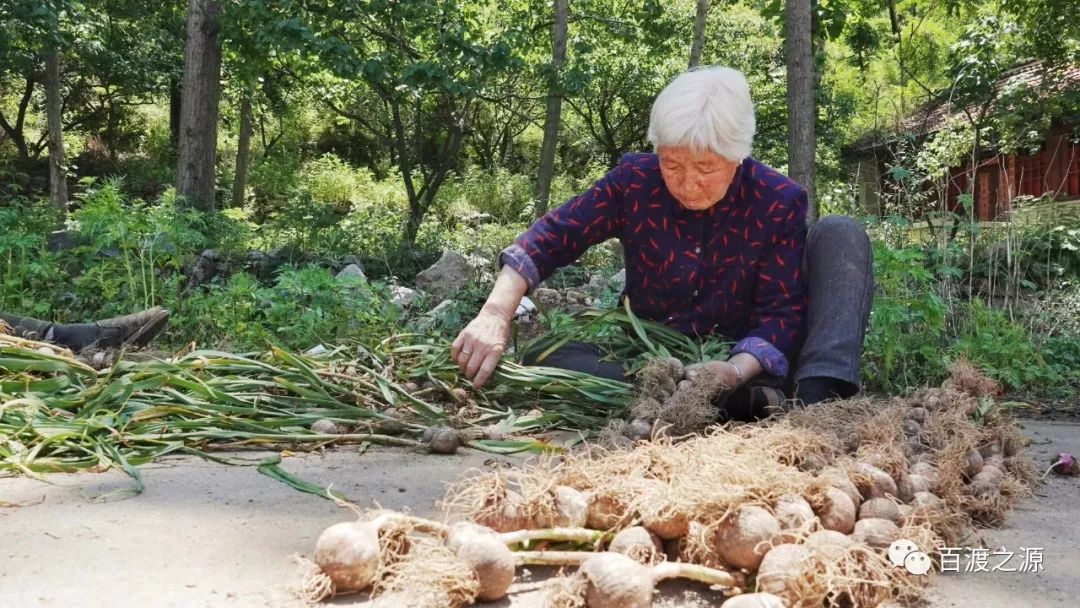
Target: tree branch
[403,155]
[363,122]
[24,102]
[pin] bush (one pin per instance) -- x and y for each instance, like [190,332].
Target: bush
[272,180]
[920,324]
[506,197]
[993,342]
[1051,256]
[131,249]
[30,275]
[907,323]
[305,306]
[129,254]
[332,183]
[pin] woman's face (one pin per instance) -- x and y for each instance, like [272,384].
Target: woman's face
[698,179]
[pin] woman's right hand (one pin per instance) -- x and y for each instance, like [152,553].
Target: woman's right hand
[480,345]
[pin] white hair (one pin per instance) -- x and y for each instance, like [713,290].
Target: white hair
[705,109]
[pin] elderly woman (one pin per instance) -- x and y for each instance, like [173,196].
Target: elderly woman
[715,242]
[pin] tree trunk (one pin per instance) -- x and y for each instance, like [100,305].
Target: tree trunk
[112,131]
[421,200]
[174,112]
[54,118]
[698,45]
[553,117]
[199,108]
[16,131]
[898,40]
[800,99]
[243,152]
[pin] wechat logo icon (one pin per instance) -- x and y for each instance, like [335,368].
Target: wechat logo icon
[904,553]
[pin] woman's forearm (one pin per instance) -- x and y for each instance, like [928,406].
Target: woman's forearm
[506,295]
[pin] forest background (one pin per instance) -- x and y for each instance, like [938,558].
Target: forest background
[227,159]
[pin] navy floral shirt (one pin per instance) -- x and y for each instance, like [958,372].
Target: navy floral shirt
[733,269]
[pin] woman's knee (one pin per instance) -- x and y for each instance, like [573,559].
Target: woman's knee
[839,233]
[839,228]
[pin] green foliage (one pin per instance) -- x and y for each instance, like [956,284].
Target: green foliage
[1062,354]
[273,178]
[919,326]
[615,68]
[29,273]
[128,245]
[907,324]
[1051,256]
[990,340]
[305,306]
[331,182]
[505,196]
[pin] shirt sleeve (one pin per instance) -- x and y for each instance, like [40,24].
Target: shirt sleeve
[780,297]
[563,234]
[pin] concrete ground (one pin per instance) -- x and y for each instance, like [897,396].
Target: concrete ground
[204,534]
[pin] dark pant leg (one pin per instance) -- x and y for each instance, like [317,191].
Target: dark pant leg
[26,327]
[75,336]
[578,357]
[838,264]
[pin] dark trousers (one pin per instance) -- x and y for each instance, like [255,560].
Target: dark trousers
[838,265]
[72,335]
[26,327]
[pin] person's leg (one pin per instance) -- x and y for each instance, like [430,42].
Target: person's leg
[578,357]
[838,264]
[136,329]
[26,327]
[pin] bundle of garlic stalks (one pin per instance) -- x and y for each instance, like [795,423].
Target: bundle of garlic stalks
[801,510]
[60,414]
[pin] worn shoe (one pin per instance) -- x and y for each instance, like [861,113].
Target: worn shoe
[769,401]
[136,329]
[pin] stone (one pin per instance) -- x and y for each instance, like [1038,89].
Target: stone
[432,318]
[595,286]
[404,297]
[547,298]
[203,269]
[450,273]
[576,301]
[255,257]
[526,308]
[619,278]
[478,218]
[352,271]
[441,308]
[63,240]
[573,296]
[258,264]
